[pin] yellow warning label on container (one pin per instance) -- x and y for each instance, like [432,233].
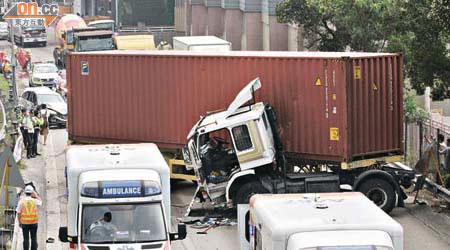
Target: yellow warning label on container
[357,72]
[334,97]
[318,83]
[334,134]
[375,87]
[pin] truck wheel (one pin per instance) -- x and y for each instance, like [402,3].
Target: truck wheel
[244,194]
[380,192]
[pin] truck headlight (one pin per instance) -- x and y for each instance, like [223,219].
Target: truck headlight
[35,79]
[186,156]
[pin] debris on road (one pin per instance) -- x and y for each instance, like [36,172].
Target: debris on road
[207,222]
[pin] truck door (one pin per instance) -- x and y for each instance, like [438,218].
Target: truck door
[248,144]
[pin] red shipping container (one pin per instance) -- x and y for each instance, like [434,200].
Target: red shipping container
[337,107]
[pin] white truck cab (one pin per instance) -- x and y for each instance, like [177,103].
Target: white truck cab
[119,198]
[231,144]
[338,221]
[238,152]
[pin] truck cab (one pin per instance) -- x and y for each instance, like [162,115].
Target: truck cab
[27,35]
[231,143]
[81,40]
[105,24]
[341,221]
[238,152]
[119,196]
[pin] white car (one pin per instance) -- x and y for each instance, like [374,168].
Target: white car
[35,96]
[44,74]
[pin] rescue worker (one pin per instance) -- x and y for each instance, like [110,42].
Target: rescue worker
[27,212]
[29,134]
[38,121]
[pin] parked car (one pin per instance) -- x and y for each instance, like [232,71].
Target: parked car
[44,74]
[4,30]
[35,96]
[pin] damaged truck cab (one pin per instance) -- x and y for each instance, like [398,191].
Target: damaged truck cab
[229,146]
[237,153]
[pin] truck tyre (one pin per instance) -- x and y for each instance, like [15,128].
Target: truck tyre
[244,193]
[380,192]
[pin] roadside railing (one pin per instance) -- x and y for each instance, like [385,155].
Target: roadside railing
[16,234]
[3,129]
[148,29]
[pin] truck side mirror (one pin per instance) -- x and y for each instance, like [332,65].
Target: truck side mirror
[62,235]
[181,235]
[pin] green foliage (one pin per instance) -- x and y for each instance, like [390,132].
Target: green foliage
[425,39]
[334,25]
[419,29]
[412,111]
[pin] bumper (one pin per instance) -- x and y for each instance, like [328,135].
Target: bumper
[4,36]
[45,84]
[59,121]
[35,40]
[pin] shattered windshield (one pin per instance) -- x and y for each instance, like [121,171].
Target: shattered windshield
[95,44]
[123,223]
[50,99]
[46,69]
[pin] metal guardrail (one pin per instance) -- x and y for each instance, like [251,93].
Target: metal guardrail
[443,127]
[437,190]
[16,234]
[3,129]
[148,29]
[18,147]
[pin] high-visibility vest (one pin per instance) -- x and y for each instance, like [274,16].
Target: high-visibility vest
[29,212]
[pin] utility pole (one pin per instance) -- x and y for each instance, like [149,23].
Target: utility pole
[13,58]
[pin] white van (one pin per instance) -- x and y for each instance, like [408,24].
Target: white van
[200,43]
[325,221]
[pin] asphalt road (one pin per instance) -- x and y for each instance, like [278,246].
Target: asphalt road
[418,222]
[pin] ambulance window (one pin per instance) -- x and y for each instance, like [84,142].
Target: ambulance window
[247,226]
[242,138]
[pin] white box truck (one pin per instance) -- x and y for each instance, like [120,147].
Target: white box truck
[200,43]
[119,198]
[331,221]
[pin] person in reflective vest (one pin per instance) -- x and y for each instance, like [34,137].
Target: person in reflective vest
[27,212]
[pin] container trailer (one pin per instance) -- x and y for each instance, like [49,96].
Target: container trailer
[336,113]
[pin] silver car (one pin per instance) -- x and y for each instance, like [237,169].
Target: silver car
[35,96]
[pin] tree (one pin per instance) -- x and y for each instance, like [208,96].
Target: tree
[334,25]
[420,29]
[423,39]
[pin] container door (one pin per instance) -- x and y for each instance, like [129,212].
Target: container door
[375,106]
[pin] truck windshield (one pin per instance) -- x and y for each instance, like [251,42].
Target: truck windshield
[95,44]
[103,25]
[123,223]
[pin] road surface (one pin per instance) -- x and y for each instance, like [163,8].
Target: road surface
[418,222]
